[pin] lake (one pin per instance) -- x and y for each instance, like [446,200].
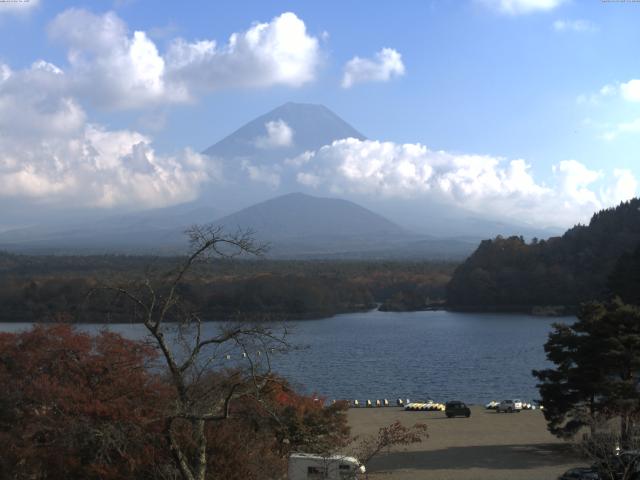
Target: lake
[416,355]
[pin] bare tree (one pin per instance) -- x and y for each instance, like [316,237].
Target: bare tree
[616,455]
[238,353]
[393,435]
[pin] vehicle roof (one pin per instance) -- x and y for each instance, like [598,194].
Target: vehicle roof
[580,470]
[315,456]
[630,452]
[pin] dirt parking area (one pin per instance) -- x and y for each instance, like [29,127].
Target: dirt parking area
[486,446]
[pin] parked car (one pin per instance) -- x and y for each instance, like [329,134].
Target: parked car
[492,405]
[581,473]
[509,406]
[456,409]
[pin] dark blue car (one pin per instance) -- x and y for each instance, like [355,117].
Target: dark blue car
[456,409]
[581,473]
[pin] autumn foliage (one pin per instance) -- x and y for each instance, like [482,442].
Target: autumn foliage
[76,406]
[307,424]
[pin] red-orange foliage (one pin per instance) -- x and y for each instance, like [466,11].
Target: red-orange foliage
[77,406]
[307,424]
[256,441]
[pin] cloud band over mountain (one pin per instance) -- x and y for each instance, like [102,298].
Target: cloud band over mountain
[478,183]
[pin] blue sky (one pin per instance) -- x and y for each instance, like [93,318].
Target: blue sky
[545,81]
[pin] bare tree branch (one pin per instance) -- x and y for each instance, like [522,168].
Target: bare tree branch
[204,394]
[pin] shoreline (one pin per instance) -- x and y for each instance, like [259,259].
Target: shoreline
[290,318]
[487,445]
[534,310]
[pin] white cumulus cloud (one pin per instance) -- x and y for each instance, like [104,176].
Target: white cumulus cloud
[50,154]
[575,179]
[621,128]
[117,69]
[269,175]
[278,134]
[386,65]
[521,7]
[107,65]
[478,183]
[280,52]
[630,90]
[607,91]
[624,188]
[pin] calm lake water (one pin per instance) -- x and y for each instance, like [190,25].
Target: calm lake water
[415,355]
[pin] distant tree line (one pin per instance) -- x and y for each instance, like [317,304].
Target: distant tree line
[588,262]
[40,289]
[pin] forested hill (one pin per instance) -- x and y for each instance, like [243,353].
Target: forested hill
[510,274]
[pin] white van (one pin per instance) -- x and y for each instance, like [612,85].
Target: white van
[309,466]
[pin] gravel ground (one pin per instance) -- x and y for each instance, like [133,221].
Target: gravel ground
[486,446]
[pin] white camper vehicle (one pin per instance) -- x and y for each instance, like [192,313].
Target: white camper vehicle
[308,466]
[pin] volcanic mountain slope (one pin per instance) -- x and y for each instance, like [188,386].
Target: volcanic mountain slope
[311,127]
[304,226]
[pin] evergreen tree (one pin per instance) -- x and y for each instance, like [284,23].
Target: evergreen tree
[625,278]
[597,362]
[510,274]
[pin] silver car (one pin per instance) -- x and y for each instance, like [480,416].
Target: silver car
[509,406]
